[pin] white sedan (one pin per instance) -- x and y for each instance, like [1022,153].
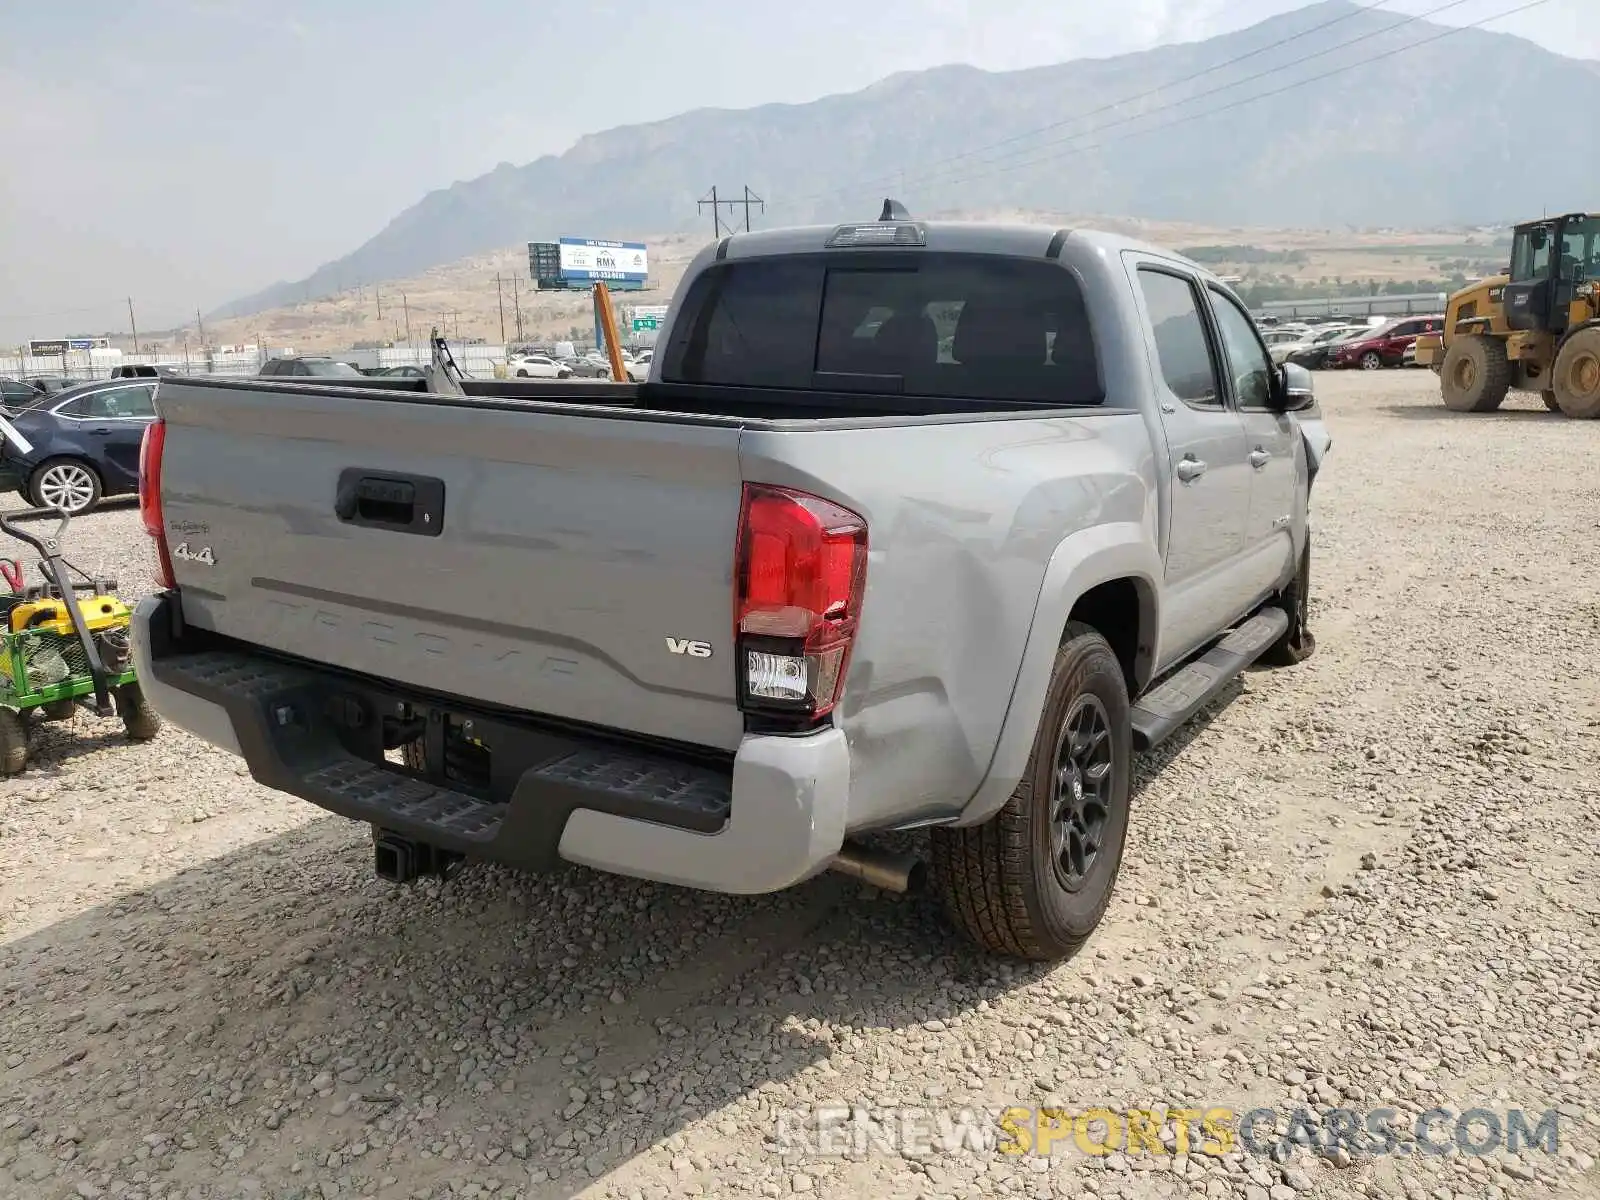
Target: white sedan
[537,366]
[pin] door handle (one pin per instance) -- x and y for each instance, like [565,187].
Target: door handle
[1190,469]
[100,429]
[1259,458]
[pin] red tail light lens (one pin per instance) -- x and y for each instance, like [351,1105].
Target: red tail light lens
[800,571]
[150,453]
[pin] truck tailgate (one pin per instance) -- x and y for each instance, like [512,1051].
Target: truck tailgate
[572,560]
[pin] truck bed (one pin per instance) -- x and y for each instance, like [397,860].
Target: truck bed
[584,540]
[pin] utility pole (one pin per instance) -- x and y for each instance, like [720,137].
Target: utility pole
[716,212]
[378,295]
[201,326]
[516,300]
[134,325]
[500,299]
[405,305]
[717,205]
[749,199]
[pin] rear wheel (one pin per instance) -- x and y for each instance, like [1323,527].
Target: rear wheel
[13,742]
[1476,374]
[66,484]
[1577,375]
[1035,879]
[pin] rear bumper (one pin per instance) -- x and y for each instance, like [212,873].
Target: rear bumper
[773,817]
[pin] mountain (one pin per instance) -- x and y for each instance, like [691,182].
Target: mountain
[1422,130]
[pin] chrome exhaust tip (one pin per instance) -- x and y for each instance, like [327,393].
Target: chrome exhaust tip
[880,868]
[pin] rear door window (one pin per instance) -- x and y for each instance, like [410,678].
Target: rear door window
[1183,350]
[940,325]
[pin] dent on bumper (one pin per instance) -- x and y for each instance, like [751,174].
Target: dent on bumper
[786,822]
[787,819]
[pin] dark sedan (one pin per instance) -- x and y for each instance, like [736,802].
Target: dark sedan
[81,445]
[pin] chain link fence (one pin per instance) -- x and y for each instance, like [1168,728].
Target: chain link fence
[86,366]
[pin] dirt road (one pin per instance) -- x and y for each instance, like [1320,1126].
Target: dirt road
[1367,882]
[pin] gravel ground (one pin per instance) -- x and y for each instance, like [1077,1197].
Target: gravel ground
[1368,881]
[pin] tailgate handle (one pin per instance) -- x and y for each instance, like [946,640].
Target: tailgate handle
[380,500]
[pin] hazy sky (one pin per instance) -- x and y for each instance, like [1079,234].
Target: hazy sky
[185,152]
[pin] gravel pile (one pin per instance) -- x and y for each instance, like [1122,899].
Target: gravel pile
[1370,882]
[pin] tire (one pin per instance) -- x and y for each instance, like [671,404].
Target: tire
[1577,375]
[1550,401]
[1298,643]
[522,374]
[1002,882]
[13,742]
[1371,361]
[1476,374]
[139,720]
[65,478]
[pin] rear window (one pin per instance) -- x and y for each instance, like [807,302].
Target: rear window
[943,325]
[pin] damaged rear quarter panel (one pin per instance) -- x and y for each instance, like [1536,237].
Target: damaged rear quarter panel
[963,518]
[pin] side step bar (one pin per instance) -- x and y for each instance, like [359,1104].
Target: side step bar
[1162,711]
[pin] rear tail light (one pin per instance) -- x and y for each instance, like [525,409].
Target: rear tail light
[800,572]
[151,450]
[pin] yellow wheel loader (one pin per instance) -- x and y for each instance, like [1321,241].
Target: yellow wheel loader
[1535,328]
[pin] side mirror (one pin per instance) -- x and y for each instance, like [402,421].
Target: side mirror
[1292,388]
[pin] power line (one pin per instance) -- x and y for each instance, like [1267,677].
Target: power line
[930,173]
[1211,112]
[61,312]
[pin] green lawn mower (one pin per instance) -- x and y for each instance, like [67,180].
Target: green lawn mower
[63,645]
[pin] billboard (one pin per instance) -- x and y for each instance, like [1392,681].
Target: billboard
[544,264]
[56,347]
[583,262]
[622,265]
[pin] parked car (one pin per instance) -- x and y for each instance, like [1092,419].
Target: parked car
[52,384]
[537,366]
[1384,345]
[1319,336]
[1123,544]
[639,366]
[586,367]
[1317,357]
[317,366]
[406,371]
[142,371]
[18,393]
[84,445]
[1283,335]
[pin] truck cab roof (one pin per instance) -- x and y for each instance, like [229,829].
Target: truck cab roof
[960,237]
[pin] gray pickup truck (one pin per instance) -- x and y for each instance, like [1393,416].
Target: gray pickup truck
[912,525]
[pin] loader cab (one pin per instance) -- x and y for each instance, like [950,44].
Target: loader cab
[1551,262]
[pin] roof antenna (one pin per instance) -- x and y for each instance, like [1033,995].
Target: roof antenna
[893,210]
